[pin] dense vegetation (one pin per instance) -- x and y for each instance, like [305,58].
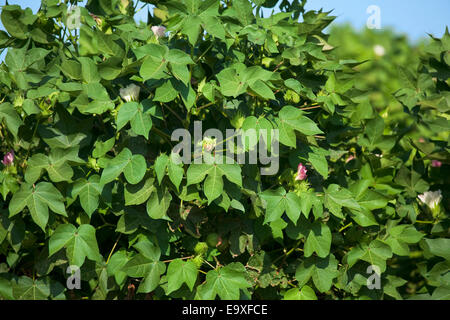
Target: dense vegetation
[89,180]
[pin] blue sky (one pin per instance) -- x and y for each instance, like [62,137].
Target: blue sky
[416,18]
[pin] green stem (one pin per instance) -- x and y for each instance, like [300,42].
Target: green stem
[204,52]
[114,247]
[425,222]
[287,254]
[32,137]
[345,227]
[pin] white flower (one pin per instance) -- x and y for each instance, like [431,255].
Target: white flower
[159,31]
[431,198]
[130,92]
[379,50]
[208,144]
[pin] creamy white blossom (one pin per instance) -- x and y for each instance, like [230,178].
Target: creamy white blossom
[130,93]
[159,31]
[431,198]
[208,144]
[379,50]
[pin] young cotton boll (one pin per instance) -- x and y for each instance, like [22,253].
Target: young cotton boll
[130,93]
[431,198]
[159,31]
[379,50]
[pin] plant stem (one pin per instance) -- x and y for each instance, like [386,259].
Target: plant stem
[309,108]
[345,227]
[425,222]
[183,258]
[112,250]
[204,106]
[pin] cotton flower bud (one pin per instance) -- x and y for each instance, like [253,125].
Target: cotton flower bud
[8,159]
[436,163]
[301,172]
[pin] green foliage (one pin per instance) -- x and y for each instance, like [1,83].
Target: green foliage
[95,181]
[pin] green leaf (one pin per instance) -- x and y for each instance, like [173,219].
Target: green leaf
[140,266]
[213,185]
[89,192]
[295,119]
[136,194]
[158,203]
[230,83]
[318,240]
[36,164]
[10,19]
[192,28]
[89,70]
[138,116]
[305,293]
[10,117]
[160,166]
[26,288]
[321,270]
[152,278]
[376,253]
[38,200]
[242,9]
[226,282]
[166,92]
[133,167]
[406,233]
[115,264]
[411,180]
[337,197]
[257,124]
[178,64]
[363,217]
[155,63]
[79,243]
[278,201]
[262,89]
[441,293]
[437,247]
[175,169]
[179,272]
[102,147]
[292,119]
[57,167]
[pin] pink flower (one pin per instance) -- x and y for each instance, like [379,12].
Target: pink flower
[8,158]
[421,140]
[301,172]
[436,163]
[350,158]
[159,31]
